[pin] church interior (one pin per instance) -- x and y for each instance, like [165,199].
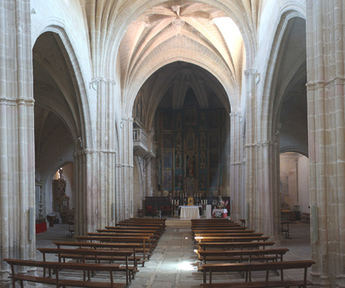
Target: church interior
[172,143]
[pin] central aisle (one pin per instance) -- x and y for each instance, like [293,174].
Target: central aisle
[173,263]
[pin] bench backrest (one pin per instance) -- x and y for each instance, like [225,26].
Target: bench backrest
[85,251]
[61,265]
[253,252]
[243,267]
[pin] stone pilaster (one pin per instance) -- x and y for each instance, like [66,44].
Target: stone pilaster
[326,127]
[17,154]
[236,166]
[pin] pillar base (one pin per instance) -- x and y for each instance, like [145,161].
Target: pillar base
[320,280]
[4,274]
[340,281]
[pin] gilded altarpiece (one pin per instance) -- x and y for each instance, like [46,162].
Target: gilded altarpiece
[189,144]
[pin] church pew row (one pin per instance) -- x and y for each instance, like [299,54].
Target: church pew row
[144,242]
[238,251]
[242,255]
[59,279]
[125,243]
[82,255]
[249,268]
[158,229]
[144,222]
[234,245]
[127,232]
[223,238]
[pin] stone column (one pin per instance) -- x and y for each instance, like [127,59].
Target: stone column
[326,128]
[262,162]
[96,166]
[237,192]
[250,149]
[127,166]
[106,149]
[17,154]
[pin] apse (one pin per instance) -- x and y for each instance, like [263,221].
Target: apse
[190,131]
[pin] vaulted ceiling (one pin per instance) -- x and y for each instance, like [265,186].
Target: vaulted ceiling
[196,24]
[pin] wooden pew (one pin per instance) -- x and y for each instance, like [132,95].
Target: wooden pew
[57,279]
[154,238]
[273,254]
[142,223]
[234,245]
[216,230]
[216,225]
[126,232]
[136,247]
[83,254]
[145,241]
[248,268]
[230,238]
[157,230]
[230,234]
[146,220]
[211,221]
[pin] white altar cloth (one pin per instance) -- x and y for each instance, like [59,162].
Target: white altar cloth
[189,212]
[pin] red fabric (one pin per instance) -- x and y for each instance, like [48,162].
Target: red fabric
[41,227]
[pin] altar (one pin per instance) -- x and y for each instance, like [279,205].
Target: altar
[189,212]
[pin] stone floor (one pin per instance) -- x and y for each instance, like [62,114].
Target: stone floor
[174,264]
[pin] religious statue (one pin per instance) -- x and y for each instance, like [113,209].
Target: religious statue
[190,201]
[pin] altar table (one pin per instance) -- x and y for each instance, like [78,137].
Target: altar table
[189,212]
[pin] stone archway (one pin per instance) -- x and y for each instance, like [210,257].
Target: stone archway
[196,160]
[59,116]
[287,67]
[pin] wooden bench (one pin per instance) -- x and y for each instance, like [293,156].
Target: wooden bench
[97,255]
[216,230]
[248,268]
[127,232]
[57,279]
[234,245]
[230,238]
[218,226]
[246,255]
[157,230]
[211,221]
[233,234]
[146,221]
[136,247]
[144,241]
